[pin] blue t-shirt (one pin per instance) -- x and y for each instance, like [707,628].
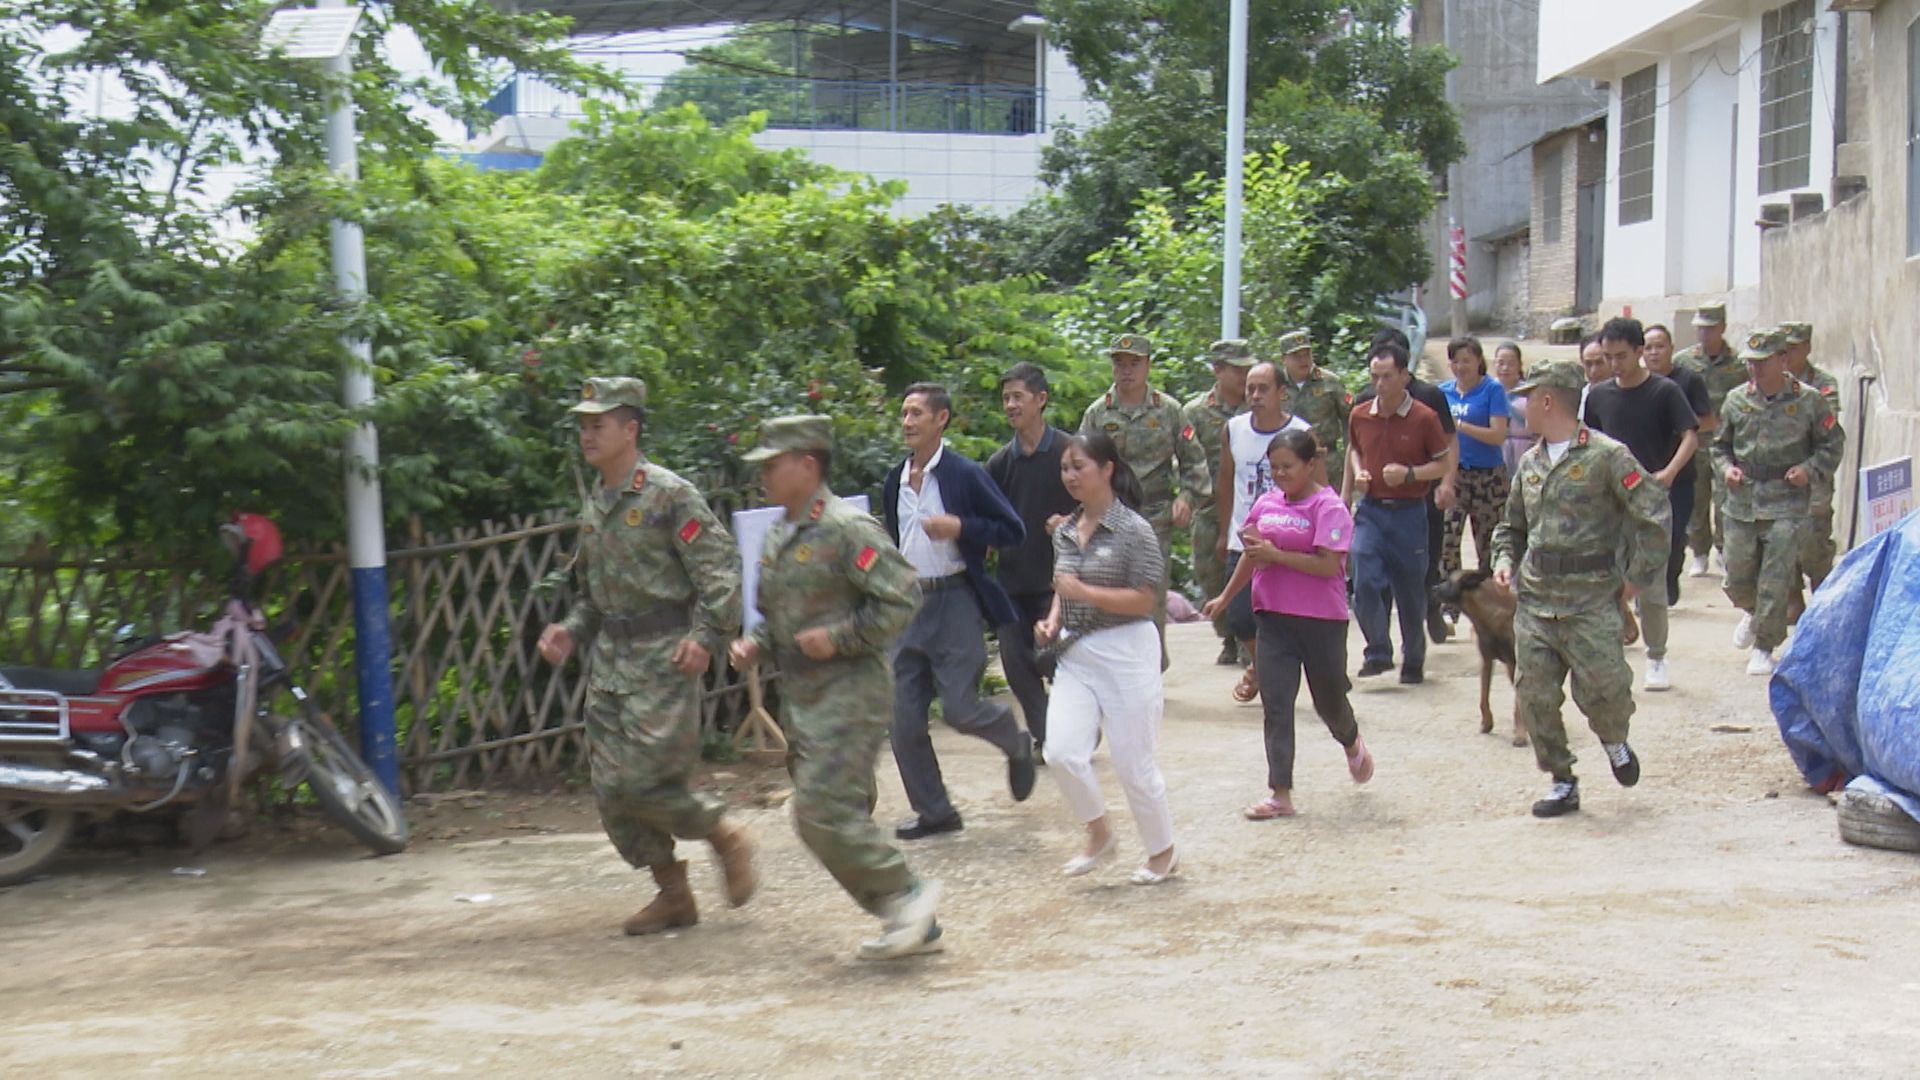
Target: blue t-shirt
[1478,407]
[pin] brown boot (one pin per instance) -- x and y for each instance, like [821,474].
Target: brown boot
[672,908]
[735,852]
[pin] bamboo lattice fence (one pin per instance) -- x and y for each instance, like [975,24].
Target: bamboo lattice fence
[474,703]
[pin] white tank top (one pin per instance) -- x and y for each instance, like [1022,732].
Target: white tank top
[1252,477]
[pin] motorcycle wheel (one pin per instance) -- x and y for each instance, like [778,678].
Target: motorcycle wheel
[348,791]
[30,836]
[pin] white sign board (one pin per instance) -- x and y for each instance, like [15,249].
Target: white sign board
[750,532]
[310,33]
[1886,495]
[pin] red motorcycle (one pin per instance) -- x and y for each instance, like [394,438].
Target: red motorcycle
[176,725]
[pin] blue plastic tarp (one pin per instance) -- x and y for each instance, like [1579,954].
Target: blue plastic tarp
[1847,692]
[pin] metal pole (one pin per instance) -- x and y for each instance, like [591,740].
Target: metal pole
[1456,210]
[1236,167]
[893,65]
[366,543]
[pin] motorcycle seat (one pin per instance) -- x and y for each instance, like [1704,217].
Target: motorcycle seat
[69,683]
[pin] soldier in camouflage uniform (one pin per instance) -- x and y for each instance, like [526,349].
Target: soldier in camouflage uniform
[1207,415]
[1580,500]
[1315,395]
[1816,559]
[1146,426]
[1777,439]
[658,590]
[1714,360]
[834,594]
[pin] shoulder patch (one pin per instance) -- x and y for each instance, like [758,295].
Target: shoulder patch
[1631,480]
[864,561]
[690,530]
[1187,432]
[1829,421]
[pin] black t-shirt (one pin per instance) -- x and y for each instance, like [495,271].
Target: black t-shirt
[1426,394]
[1031,482]
[1651,419]
[1694,385]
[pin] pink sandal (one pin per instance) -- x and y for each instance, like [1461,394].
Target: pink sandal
[1269,809]
[1360,762]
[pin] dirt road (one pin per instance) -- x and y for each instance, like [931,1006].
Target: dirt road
[1706,923]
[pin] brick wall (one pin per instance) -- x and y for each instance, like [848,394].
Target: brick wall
[1550,288]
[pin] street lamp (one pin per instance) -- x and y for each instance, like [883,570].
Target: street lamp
[326,33]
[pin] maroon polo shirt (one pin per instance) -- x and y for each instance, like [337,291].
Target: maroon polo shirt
[1410,435]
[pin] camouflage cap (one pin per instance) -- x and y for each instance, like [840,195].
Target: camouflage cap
[1798,333]
[1764,343]
[1132,345]
[785,434]
[608,393]
[1565,375]
[1295,341]
[1234,351]
[1710,315]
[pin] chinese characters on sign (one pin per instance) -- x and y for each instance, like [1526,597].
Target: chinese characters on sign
[1887,495]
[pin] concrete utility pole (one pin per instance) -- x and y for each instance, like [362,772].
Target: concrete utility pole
[1456,183]
[1236,167]
[326,33]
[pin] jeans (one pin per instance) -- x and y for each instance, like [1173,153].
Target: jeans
[1390,551]
[1288,645]
[1026,672]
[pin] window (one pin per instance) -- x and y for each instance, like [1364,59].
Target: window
[1636,145]
[1786,96]
[1913,137]
[1553,169]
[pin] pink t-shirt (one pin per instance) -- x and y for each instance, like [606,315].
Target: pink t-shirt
[1320,520]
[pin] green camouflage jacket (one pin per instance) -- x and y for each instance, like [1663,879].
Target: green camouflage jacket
[1206,419]
[1322,400]
[649,549]
[1148,436]
[1722,372]
[1794,427]
[1596,501]
[834,569]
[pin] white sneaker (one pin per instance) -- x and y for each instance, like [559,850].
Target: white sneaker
[1657,675]
[1760,662]
[1743,634]
[909,926]
[1698,567]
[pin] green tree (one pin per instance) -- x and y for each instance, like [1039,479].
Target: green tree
[1159,68]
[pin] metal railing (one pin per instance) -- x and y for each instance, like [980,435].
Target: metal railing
[808,104]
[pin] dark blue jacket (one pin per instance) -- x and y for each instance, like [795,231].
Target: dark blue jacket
[987,520]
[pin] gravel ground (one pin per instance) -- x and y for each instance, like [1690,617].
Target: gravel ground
[1708,922]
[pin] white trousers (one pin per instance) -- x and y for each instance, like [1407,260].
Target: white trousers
[1110,680]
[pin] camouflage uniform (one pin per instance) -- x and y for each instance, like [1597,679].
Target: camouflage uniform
[1593,504]
[1722,373]
[1206,419]
[1767,517]
[835,568]
[1816,558]
[1322,400]
[655,566]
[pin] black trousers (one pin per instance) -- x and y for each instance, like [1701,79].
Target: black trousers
[1027,673]
[1286,646]
[1681,499]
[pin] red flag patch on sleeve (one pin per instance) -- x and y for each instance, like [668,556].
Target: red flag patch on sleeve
[1631,480]
[1187,433]
[1829,421]
[864,561]
[690,530]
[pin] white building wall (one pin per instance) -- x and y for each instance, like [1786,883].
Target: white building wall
[1636,263]
[1705,140]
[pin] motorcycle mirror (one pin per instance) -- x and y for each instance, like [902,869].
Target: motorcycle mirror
[234,537]
[125,634]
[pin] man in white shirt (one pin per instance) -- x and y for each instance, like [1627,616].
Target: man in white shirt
[1243,477]
[945,512]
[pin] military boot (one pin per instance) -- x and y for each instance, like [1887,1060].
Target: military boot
[671,909]
[735,854]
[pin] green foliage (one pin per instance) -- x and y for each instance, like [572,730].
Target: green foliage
[1159,68]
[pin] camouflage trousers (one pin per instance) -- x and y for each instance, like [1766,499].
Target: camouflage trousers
[1480,503]
[1209,572]
[1763,567]
[837,715]
[1587,647]
[1707,529]
[1816,557]
[642,749]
